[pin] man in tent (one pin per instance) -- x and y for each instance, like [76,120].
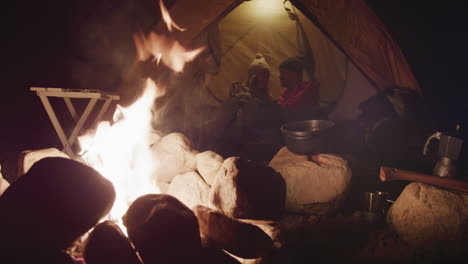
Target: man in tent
[299,99]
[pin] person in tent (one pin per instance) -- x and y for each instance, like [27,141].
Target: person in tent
[261,137]
[256,87]
[299,99]
[248,116]
[256,101]
[257,79]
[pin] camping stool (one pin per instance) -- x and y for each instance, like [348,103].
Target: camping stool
[67,94]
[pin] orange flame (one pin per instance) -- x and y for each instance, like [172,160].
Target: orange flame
[121,151]
[167,18]
[168,50]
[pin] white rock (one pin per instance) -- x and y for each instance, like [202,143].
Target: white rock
[3,183]
[190,189]
[244,189]
[237,237]
[154,137]
[27,158]
[163,186]
[208,165]
[314,186]
[424,215]
[173,155]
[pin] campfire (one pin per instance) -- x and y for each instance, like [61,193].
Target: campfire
[121,151]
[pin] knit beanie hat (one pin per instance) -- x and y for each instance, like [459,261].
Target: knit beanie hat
[294,64]
[258,64]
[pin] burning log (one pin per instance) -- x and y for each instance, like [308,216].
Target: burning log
[426,216]
[108,244]
[314,187]
[241,239]
[208,165]
[49,207]
[163,230]
[243,189]
[190,189]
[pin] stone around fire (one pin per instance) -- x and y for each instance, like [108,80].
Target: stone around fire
[190,189]
[163,230]
[173,155]
[27,158]
[108,244]
[244,189]
[313,186]
[208,165]
[3,183]
[241,239]
[52,205]
[431,218]
[214,255]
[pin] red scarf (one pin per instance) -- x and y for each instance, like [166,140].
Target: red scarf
[304,94]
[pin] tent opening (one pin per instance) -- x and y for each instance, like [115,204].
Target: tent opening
[278,30]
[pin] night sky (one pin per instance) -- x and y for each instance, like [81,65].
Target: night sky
[41,47]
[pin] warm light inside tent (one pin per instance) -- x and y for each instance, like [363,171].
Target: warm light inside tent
[264,8]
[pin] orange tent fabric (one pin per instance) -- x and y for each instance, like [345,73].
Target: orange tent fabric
[350,24]
[355,28]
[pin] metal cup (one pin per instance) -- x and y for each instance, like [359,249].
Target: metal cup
[376,202]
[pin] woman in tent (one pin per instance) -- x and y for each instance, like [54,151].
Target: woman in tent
[248,117]
[261,137]
[258,77]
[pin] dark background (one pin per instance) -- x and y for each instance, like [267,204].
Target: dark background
[55,43]
[433,36]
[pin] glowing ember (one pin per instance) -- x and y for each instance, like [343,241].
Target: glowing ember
[121,151]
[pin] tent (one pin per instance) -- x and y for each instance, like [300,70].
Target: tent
[354,55]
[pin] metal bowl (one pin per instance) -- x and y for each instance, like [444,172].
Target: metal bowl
[307,136]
